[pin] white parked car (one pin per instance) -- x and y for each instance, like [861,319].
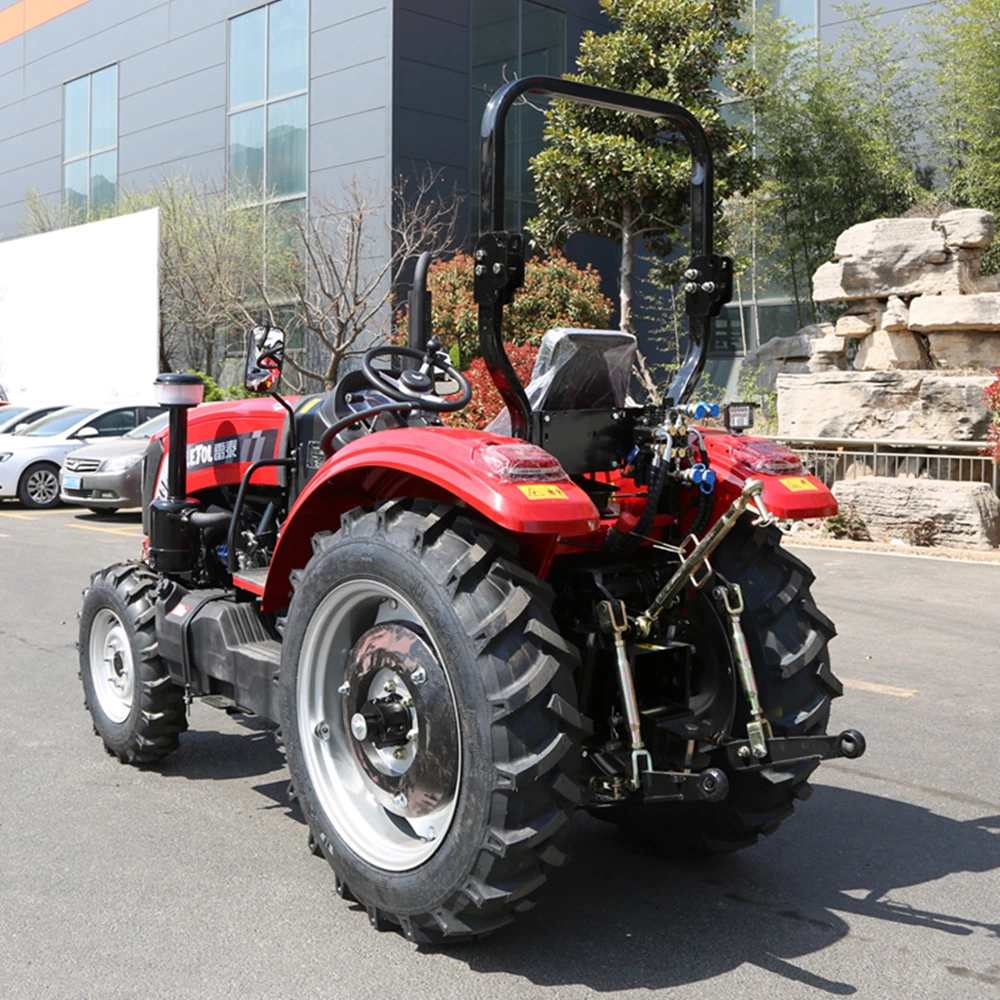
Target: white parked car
[21,415]
[30,461]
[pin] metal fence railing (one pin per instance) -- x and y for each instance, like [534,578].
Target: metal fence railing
[830,459]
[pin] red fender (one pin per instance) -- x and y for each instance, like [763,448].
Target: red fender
[434,463]
[789,491]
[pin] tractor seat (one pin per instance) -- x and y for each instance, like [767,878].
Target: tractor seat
[582,370]
[577,370]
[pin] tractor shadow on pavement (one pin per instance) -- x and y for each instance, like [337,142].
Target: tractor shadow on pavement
[620,917]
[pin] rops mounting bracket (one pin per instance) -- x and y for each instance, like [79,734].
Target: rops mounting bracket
[499,268]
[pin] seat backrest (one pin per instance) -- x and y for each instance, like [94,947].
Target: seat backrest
[582,370]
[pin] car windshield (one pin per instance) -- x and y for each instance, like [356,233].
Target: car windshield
[9,415]
[58,422]
[150,427]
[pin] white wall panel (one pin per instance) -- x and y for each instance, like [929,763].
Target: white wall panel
[79,312]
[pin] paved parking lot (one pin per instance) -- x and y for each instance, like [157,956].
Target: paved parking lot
[193,879]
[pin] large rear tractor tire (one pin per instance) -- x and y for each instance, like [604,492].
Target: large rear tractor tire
[787,636]
[137,710]
[430,721]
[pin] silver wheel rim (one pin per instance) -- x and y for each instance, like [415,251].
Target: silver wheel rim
[382,830]
[42,486]
[111,667]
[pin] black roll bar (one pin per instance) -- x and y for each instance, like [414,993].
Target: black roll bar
[499,256]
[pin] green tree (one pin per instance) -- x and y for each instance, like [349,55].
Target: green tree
[614,174]
[837,129]
[965,46]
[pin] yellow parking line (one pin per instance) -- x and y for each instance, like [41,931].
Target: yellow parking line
[879,688]
[124,532]
[19,517]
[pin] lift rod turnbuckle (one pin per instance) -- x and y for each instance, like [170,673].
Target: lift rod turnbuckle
[750,495]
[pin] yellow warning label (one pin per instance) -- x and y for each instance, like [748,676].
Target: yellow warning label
[798,484]
[542,491]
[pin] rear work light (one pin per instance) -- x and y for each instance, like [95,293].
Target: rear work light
[518,463]
[768,458]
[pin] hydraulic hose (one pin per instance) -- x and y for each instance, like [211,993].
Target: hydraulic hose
[623,543]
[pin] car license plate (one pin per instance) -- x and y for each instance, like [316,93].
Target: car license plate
[71,482]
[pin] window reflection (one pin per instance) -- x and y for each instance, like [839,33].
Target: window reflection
[286,147]
[76,185]
[510,39]
[246,152]
[90,141]
[104,109]
[76,118]
[246,58]
[103,178]
[288,40]
[268,157]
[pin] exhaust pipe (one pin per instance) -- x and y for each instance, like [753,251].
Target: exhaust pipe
[170,533]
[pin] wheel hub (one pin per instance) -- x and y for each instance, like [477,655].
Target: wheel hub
[111,665]
[397,701]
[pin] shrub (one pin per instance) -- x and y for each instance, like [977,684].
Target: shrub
[555,293]
[215,393]
[923,533]
[992,396]
[847,524]
[486,402]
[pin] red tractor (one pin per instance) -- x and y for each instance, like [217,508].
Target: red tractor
[463,635]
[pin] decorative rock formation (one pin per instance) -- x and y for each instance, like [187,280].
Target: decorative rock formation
[964,515]
[906,257]
[890,405]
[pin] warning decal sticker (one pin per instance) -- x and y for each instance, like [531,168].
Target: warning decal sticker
[542,491]
[798,484]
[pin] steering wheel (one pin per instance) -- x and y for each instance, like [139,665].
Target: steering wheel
[416,385]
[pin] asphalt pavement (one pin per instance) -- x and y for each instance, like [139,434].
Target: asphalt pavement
[193,879]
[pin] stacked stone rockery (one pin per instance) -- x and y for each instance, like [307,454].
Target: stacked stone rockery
[914,292]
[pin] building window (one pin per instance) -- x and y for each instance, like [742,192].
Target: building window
[268,110]
[511,39]
[90,142]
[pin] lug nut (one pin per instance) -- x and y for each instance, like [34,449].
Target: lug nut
[322,730]
[419,676]
[399,753]
[399,800]
[344,688]
[359,726]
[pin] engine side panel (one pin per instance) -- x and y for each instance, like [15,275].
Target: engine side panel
[224,439]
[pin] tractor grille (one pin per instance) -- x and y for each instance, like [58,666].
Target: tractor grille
[82,464]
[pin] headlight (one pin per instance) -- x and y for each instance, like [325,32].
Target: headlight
[120,464]
[4,455]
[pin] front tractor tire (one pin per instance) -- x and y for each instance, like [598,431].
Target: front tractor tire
[137,710]
[788,637]
[430,721]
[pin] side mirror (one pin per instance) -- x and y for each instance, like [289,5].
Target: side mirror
[87,432]
[265,356]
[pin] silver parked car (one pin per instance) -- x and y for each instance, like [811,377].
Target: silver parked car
[30,460]
[108,475]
